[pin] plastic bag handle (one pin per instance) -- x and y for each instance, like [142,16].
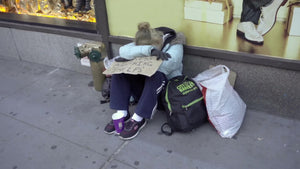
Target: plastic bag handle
[226,68]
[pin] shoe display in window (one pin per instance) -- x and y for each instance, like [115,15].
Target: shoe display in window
[268,16]
[247,31]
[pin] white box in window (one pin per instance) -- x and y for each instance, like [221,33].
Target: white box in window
[205,15]
[293,24]
[218,5]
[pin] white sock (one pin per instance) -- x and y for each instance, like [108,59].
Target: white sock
[137,117]
[124,112]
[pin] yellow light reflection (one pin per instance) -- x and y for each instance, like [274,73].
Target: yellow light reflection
[3,8]
[46,8]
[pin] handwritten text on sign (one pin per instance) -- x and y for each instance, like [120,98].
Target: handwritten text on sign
[141,65]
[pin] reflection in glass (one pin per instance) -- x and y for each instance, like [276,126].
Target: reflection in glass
[81,10]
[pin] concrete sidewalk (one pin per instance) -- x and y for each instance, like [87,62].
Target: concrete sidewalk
[51,119]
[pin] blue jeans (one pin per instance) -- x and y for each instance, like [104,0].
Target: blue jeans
[144,89]
[251,10]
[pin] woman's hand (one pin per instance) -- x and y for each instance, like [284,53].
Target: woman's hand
[160,55]
[120,59]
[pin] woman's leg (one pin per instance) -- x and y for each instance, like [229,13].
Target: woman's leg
[251,10]
[146,105]
[250,16]
[148,101]
[120,92]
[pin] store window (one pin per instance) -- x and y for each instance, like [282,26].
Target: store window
[68,13]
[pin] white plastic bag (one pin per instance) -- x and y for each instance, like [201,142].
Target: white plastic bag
[225,108]
[107,62]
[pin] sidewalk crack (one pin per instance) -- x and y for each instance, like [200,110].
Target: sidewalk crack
[112,157]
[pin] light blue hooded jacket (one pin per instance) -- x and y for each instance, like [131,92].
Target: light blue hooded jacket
[171,67]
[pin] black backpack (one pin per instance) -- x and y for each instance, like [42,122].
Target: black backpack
[184,105]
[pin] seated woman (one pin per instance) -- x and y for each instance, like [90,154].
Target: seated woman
[165,44]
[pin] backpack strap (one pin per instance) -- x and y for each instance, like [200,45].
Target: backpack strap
[166,129]
[167,98]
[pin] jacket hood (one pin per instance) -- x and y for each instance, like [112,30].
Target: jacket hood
[180,39]
[174,38]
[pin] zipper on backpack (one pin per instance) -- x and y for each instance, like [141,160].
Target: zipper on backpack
[192,103]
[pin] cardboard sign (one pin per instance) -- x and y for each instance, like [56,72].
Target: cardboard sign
[141,65]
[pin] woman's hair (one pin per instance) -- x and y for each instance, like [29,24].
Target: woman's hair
[148,36]
[143,35]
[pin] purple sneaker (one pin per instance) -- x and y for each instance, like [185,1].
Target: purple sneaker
[132,129]
[110,128]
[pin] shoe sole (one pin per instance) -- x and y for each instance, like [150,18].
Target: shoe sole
[110,133]
[282,4]
[129,138]
[242,35]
